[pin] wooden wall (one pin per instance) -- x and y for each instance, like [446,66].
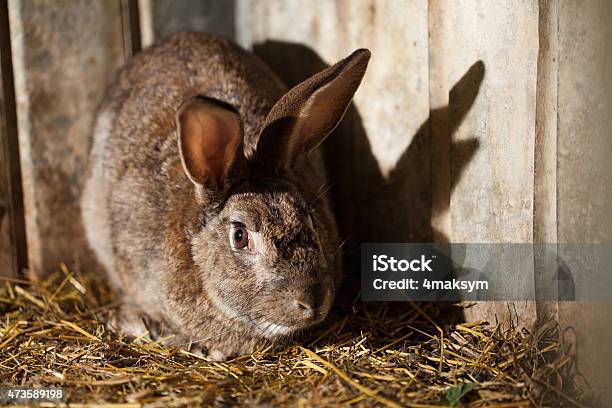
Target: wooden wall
[477,121]
[584,166]
[64,53]
[160,18]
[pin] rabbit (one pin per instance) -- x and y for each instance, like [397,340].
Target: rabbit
[205,199]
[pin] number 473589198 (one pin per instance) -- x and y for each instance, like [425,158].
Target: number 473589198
[32,394]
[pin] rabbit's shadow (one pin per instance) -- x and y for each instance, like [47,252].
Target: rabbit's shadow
[370,207]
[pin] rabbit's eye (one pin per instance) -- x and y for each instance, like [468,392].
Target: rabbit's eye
[240,237]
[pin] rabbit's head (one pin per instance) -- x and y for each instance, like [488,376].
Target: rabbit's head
[266,245]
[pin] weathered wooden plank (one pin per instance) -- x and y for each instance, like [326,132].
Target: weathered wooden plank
[13,251]
[130,23]
[6,267]
[378,160]
[545,161]
[439,92]
[160,18]
[492,151]
[584,196]
[64,52]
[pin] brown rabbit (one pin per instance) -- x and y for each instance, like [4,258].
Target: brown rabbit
[205,201]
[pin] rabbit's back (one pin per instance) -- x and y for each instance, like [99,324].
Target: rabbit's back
[135,181]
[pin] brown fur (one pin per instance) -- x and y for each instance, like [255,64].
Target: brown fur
[164,238]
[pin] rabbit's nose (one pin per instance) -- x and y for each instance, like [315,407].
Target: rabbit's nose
[310,302]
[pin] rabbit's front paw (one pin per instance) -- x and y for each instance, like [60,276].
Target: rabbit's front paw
[132,321]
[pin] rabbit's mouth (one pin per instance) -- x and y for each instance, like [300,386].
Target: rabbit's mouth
[297,320]
[273,330]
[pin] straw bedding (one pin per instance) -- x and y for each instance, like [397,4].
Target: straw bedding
[395,354]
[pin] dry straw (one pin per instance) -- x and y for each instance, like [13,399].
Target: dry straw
[394,355]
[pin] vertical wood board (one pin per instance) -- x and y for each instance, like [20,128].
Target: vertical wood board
[64,53]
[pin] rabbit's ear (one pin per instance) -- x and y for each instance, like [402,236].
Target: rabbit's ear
[310,111]
[209,140]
